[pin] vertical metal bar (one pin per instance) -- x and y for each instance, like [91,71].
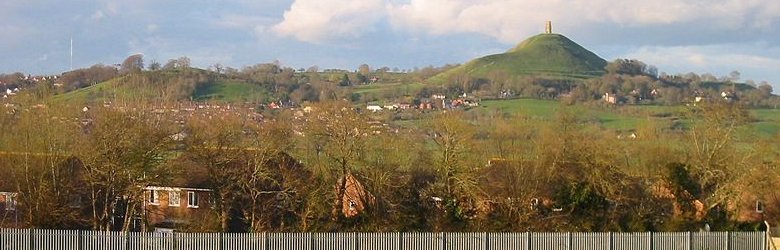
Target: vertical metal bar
[485,241]
[221,242]
[265,241]
[80,239]
[568,244]
[311,241]
[728,240]
[650,240]
[443,241]
[355,238]
[400,241]
[690,241]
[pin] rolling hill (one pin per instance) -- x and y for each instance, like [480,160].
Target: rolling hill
[167,86]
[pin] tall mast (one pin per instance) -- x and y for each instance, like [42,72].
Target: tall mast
[71,53]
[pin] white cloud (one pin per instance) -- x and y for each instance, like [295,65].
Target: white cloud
[316,21]
[511,20]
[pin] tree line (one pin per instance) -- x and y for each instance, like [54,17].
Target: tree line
[452,171]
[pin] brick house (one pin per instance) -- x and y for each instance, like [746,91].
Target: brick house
[9,215]
[172,207]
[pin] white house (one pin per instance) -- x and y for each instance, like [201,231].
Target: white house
[610,98]
[374,108]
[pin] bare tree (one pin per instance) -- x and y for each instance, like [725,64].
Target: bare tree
[122,153]
[132,64]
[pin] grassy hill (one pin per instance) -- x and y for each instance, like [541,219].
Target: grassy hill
[176,85]
[545,55]
[230,91]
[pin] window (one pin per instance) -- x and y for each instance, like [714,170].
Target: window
[174,199]
[10,202]
[154,197]
[74,201]
[192,200]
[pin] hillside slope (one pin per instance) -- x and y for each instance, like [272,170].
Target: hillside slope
[543,55]
[168,86]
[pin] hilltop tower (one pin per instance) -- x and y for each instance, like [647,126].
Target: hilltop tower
[548,27]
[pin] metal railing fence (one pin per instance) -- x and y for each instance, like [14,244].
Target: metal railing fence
[37,239]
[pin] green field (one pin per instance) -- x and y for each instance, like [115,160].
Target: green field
[546,109]
[378,88]
[228,91]
[766,124]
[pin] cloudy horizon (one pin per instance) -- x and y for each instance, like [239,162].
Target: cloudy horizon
[677,36]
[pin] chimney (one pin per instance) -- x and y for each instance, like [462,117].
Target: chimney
[548,27]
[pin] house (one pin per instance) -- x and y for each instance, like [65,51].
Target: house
[610,98]
[426,104]
[728,95]
[374,108]
[10,215]
[16,204]
[170,207]
[355,199]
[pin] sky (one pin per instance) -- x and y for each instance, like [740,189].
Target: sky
[677,36]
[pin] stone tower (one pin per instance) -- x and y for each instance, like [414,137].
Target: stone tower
[548,27]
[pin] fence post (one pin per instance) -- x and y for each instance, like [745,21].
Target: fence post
[610,241]
[221,242]
[486,242]
[400,241]
[650,240]
[311,241]
[266,241]
[443,241]
[32,238]
[175,245]
[80,240]
[528,240]
[355,237]
[690,240]
[728,240]
[568,244]
[127,240]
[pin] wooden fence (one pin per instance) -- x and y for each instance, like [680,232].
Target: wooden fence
[36,239]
